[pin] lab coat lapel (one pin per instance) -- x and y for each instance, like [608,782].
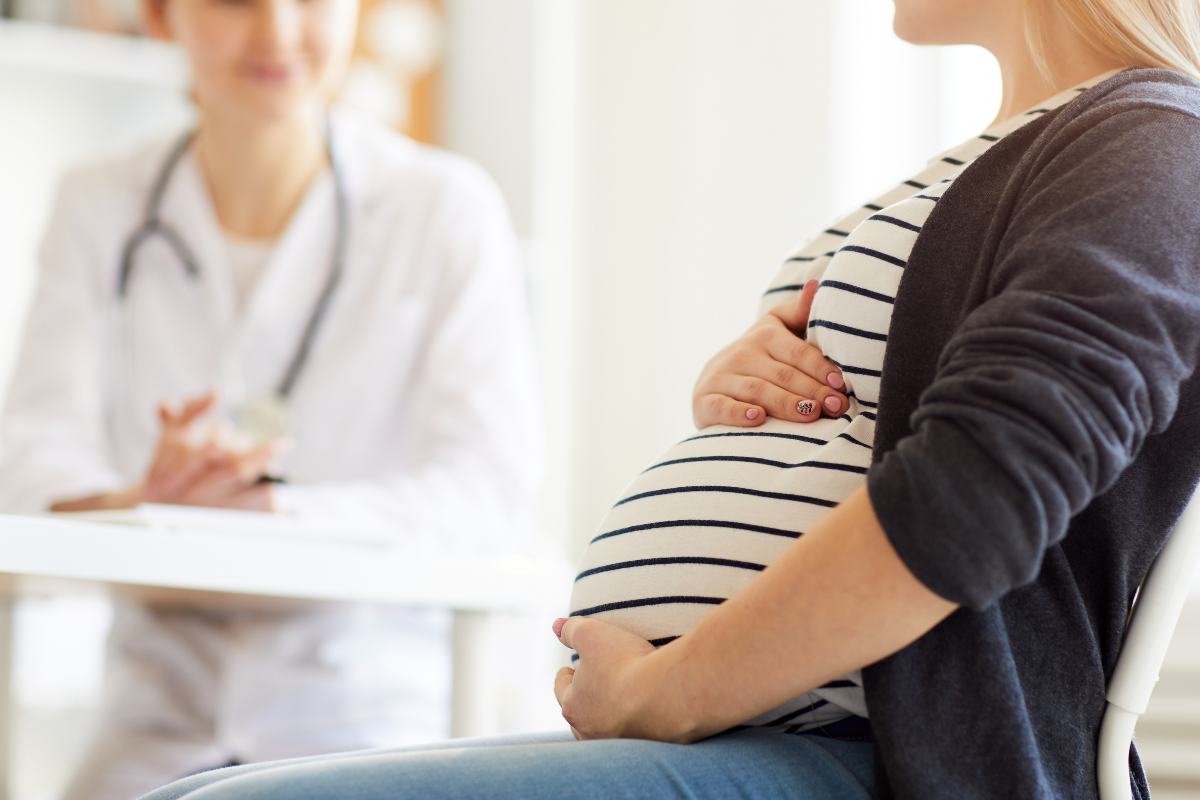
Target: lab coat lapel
[282,300]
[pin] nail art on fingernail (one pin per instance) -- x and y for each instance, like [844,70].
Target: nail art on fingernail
[833,404]
[751,413]
[806,407]
[836,381]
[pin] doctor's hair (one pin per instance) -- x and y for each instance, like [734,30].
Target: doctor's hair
[1163,34]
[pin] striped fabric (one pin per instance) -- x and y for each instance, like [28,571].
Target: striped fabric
[705,519]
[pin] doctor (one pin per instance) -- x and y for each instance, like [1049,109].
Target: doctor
[342,288]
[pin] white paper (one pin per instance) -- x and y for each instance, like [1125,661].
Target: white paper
[194,519]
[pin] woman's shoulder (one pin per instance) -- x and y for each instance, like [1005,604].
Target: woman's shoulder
[1144,89]
[97,198]
[1140,127]
[1131,111]
[122,173]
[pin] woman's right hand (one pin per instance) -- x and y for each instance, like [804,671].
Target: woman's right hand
[772,371]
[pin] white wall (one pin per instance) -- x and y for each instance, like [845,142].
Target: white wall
[702,140]
[895,105]
[488,93]
[510,102]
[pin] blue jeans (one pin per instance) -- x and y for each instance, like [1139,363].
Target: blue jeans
[553,766]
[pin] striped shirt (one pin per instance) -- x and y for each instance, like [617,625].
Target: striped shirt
[707,517]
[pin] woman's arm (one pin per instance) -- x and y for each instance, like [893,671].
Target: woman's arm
[835,601]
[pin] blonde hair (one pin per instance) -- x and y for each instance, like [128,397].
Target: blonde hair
[1142,33]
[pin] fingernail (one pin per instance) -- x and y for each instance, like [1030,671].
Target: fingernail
[751,413]
[833,404]
[835,380]
[558,626]
[806,407]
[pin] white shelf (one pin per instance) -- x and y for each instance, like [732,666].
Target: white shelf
[61,49]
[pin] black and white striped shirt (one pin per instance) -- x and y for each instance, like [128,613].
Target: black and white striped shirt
[708,516]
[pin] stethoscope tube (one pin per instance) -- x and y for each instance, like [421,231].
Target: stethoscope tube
[336,267]
[153,225]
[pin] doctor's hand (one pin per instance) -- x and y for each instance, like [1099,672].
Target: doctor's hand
[772,371]
[202,463]
[611,691]
[197,462]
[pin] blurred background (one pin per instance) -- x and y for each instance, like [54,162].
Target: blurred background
[660,158]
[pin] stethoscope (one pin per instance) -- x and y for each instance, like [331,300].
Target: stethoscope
[265,417]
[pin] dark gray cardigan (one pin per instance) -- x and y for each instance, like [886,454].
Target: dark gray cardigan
[1038,435]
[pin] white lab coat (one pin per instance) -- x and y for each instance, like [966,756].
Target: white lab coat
[417,407]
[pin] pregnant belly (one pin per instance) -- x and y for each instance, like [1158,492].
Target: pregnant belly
[706,519]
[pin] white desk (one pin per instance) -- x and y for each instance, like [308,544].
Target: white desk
[41,556]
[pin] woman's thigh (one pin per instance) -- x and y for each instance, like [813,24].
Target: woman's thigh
[533,768]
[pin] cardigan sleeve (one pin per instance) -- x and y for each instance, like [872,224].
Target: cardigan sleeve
[1050,386]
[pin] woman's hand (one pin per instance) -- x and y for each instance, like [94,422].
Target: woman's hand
[837,599]
[606,695]
[195,463]
[770,370]
[199,464]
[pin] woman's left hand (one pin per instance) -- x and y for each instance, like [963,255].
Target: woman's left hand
[607,696]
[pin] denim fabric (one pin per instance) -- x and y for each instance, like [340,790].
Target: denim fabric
[555,766]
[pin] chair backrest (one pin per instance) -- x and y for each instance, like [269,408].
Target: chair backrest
[1151,626]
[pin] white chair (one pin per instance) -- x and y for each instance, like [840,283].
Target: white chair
[1152,623]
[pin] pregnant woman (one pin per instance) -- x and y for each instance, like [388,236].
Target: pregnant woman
[897,559]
